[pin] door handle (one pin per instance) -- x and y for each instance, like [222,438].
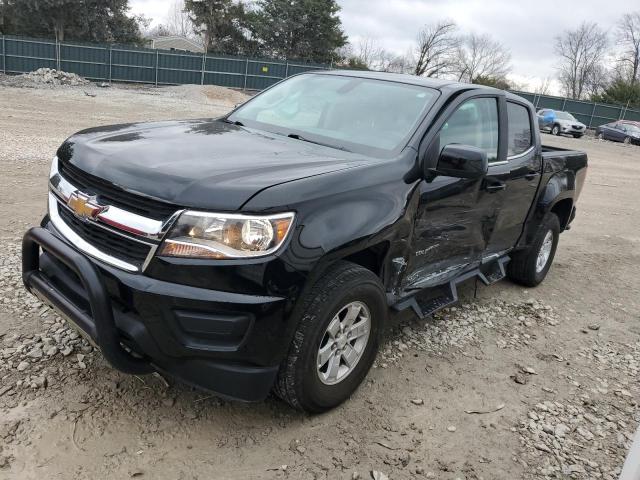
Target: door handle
[495,186]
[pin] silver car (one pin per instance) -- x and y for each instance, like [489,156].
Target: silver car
[557,122]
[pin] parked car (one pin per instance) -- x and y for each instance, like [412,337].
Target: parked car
[557,122]
[263,250]
[621,131]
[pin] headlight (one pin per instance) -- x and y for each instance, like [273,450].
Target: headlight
[223,236]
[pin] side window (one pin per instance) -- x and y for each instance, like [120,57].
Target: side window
[519,129]
[474,123]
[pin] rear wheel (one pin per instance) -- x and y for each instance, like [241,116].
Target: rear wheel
[529,267]
[600,136]
[336,341]
[555,130]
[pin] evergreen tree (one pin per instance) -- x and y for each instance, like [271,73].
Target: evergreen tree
[303,29]
[222,25]
[89,20]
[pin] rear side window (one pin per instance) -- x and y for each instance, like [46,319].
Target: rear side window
[519,129]
[474,123]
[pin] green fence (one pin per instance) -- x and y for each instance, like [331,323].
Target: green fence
[590,113]
[104,62]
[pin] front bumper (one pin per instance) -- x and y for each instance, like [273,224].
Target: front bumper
[228,343]
[572,130]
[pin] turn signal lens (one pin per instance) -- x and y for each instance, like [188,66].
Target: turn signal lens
[223,236]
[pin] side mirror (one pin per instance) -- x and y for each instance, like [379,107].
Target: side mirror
[461,161]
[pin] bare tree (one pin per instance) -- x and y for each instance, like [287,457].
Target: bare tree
[368,51]
[582,52]
[481,56]
[435,52]
[629,39]
[392,62]
[178,21]
[543,87]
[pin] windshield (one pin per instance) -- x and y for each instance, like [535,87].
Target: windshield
[633,129]
[565,116]
[375,117]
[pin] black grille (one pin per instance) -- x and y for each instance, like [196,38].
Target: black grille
[106,241]
[112,195]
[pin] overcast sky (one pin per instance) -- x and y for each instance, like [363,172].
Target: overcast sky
[526,27]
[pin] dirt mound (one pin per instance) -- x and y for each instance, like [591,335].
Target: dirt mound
[48,76]
[207,94]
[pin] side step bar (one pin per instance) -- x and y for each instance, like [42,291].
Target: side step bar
[426,305]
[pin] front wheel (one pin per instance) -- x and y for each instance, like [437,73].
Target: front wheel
[555,130]
[336,341]
[577,135]
[627,140]
[529,267]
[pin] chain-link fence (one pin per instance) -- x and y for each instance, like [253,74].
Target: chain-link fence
[104,62]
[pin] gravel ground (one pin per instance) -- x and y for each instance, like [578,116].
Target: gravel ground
[508,384]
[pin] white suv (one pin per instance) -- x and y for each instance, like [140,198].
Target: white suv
[557,122]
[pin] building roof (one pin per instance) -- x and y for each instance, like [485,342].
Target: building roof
[176,42]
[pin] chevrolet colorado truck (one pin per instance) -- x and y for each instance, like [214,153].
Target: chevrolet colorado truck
[265,249]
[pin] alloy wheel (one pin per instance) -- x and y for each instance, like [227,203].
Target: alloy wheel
[545,251]
[343,343]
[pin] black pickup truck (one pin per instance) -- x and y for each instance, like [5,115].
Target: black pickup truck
[263,250]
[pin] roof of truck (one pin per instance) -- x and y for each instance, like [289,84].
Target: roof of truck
[403,78]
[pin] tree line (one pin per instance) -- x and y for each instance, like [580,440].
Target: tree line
[592,63]
[298,29]
[599,65]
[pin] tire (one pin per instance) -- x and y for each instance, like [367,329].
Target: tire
[555,130]
[600,136]
[627,140]
[300,380]
[577,135]
[523,267]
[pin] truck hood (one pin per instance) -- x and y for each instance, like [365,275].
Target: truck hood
[206,164]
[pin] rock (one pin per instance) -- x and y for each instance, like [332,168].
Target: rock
[5,460]
[169,401]
[451,428]
[355,476]
[417,401]
[51,351]
[594,327]
[40,382]
[22,366]
[561,430]
[80,357]
[529,370]
[300,449]
[82,365]
[519,378]
[35,353]
[543,448]
[66,351]
[376,475]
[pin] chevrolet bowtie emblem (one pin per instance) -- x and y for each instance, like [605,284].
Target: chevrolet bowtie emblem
[84,206]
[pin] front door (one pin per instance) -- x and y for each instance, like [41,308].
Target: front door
[454,220]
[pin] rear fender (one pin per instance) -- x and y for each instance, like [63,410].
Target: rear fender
[561,186]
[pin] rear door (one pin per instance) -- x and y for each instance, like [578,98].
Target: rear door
[515,179]
[453,220]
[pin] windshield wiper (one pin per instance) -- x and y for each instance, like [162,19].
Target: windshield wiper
[237,122]
[303,139]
